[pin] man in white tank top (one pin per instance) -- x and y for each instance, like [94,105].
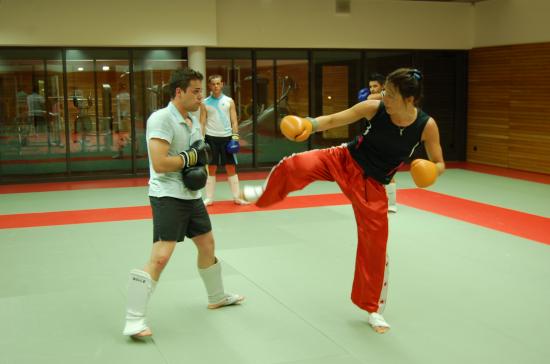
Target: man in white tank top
[218,118]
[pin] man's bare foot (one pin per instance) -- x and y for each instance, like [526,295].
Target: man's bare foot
[240,201]
[228,300]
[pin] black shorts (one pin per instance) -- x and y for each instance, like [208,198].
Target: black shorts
[174,218]
[219,156]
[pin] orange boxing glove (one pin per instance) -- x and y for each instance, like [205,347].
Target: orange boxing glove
[423,172]
[297,128]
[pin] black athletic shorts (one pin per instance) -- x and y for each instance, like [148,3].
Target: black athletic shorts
[174,218]
[219,156]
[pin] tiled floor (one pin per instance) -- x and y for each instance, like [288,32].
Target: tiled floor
[459,292]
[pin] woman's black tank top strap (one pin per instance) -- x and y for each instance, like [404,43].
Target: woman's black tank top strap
[383,147]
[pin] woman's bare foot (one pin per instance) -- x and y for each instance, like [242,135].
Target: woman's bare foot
[143,334]
[377,322]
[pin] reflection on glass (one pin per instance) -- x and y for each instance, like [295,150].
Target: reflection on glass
[266,124]
[335,97]
[337,76]
[237,77]
[152,71]
[292,98]
[31,114]
[80,75]
[100,125]
[56,107]
[115,125]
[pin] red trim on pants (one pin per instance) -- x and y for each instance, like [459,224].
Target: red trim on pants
[369,202]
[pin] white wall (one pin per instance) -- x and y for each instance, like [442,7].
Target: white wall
[371,24]
[383,24]
[504,22]
[236,23]
[107,22]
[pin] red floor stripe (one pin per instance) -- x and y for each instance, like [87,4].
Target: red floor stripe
[497,171]
[503,172]
[144,212]
[73,185]
[513,222]
[63,159]
[293,202]
[142,181]
[107,183]
[74,217]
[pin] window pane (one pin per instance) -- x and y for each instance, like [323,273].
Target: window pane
[100,142]
[32,132]
[283,89]
[237,78]
[337,75]
[335,97]
[152,69]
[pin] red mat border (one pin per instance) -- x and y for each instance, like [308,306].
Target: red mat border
[105,183]
[501,219]
[142,181]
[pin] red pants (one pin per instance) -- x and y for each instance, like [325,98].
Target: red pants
[370,205]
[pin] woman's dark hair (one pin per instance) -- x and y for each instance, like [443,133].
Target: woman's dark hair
[181,78]
[408,81]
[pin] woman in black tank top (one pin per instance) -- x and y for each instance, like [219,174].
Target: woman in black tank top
[361,169]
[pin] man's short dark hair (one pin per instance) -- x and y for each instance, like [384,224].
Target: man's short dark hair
[378,78]
[181,78]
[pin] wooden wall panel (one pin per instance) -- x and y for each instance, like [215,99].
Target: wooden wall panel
[530,108]
[488,112]
[334,94]
[509,108]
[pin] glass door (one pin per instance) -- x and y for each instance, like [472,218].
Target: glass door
[283,89]
[99,111]
[32,129]
[236,72]
[152,70]
[336,84]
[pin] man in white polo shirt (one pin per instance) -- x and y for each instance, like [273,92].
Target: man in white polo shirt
[177,162]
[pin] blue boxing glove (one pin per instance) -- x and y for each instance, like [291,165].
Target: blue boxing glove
[233,146]
[363,94]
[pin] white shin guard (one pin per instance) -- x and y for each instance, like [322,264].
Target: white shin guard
[212,279]
[140,289]
[234,184]
[235,190]
[210,188]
